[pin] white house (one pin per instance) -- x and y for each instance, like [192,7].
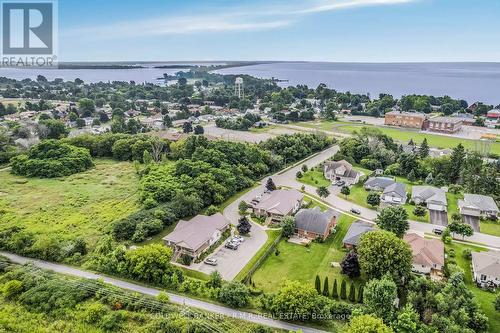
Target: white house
[341,171]
[486,268]
[478,205]
[428,254]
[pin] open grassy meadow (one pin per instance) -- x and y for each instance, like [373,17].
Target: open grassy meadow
[82,204]
[301,263]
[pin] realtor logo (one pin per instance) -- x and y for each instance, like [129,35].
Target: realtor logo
[28,28]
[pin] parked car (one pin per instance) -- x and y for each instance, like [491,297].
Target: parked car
[355,211]
[340,183]
[210,261]
[238,238]
[232,245]
[437,231]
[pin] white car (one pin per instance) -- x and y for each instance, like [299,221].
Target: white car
[239,239]
[210,261]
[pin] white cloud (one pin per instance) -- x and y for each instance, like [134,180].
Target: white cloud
[324,6]
[239,19]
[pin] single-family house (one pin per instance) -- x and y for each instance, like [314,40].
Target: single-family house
[315,224]
[341,171]
[195,236]
[433,197]
[428,254]
[356,230]
[378,183]
[394,194]
[486,268]
[478,205]
[278,203]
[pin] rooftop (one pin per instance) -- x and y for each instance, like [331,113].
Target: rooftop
[452,120]
[356,230]
[194,233]
[279,201]
[426,252]
[314,220]
[487,263]
[477,201]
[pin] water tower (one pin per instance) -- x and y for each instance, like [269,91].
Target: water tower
[238,87]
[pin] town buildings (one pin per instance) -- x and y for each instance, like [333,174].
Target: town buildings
[444,124]
[405,119]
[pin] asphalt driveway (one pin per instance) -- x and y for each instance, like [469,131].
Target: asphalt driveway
[473,221]
[438,217]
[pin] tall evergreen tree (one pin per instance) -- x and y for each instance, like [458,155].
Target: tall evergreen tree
[424,149]
[456,162]
[270,186]
[343,290]
[360,294]
[352,293]
[317,284]
[335,291]
[326,290]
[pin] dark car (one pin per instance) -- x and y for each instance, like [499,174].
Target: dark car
[437,231]
[355,211]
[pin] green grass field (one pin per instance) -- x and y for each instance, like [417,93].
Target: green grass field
[485,298]
[82,204]
[314,178]
[297,262]
[403,135]
[271,237]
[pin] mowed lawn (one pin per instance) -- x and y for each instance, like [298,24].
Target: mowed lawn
[300,263]
[315,178]
[82,204]
[403,135]
[484,298]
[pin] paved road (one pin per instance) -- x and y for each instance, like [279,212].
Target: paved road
[338,203]
[174,298]
[229,262]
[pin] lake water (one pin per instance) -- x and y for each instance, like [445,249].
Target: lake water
[470,81]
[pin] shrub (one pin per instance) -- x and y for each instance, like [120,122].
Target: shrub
[12,288]
[467,254]
[50,159]
[234,294]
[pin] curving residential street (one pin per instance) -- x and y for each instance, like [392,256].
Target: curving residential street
[288,179]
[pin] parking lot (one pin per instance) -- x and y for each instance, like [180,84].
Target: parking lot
[230,262]
[438,217]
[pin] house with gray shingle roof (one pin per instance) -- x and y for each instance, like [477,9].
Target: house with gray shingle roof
[193,237]
[378,183]
[486,268]
[478,205]
[315,224]
[356,230]
[341,171]
[394,194]
[433,197]
[279,203]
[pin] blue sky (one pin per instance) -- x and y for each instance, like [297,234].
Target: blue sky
[309,30]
